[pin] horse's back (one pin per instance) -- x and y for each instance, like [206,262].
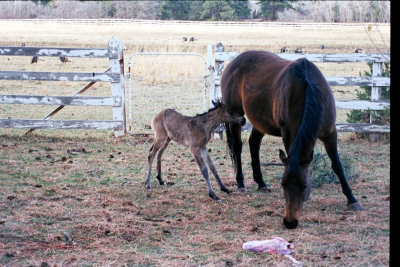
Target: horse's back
[267,87]
[249,84]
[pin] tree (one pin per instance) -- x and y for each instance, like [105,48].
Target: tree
[241,8]
[172,9]
[218,10]
[270,8]
[205,10]
[42,2]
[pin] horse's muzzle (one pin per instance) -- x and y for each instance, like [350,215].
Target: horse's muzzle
[290,225]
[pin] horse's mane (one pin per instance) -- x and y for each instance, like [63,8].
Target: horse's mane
[312,116]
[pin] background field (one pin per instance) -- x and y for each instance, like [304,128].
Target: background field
[76,198]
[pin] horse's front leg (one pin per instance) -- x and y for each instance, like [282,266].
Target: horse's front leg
[203,168]
[255,143]
[330,144]
[210,164]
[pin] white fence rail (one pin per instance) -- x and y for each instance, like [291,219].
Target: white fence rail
[376,81]
[302,25]
[114,75]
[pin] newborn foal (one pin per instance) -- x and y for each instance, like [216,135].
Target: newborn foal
[192,132]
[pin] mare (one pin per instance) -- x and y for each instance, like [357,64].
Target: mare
[283,98]
[194,133]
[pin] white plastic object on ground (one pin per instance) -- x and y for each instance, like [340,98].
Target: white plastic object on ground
[274,245]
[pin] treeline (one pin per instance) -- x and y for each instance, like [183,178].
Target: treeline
[201,10]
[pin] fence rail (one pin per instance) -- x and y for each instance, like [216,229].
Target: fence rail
[307,25]
[114,75]
[376,81]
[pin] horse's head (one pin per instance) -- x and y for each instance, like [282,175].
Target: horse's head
[297,187]
[227,114]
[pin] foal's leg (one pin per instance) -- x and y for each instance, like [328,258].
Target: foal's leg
[197,153]
[234,136]
[211,166]
[159,155]
[255,143]
[157,145]
[330,143]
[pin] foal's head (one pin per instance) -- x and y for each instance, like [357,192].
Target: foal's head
[226,114]
[296,187]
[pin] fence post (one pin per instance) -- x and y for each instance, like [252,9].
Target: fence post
[210,73]
[219,67]
[216,94]
[376,91]
[118,88]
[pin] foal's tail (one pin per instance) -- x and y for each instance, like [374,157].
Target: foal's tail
[307,132]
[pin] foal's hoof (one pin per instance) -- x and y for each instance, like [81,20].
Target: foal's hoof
[226,190]
[264,189]
[354,207]
[214,196]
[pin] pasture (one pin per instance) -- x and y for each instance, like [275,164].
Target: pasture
[77,198]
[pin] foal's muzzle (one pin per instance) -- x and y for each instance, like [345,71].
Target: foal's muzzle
[243,121]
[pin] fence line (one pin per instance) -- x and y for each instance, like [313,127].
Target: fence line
[307,25]
[114,75]
[376,81]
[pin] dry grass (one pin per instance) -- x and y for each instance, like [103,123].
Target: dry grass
[77,198]
[66,205]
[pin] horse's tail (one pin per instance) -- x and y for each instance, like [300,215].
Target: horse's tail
[307,132]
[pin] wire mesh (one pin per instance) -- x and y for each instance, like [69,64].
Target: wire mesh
[165,80]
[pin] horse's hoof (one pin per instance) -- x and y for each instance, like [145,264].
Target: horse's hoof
[242,189]
[264,189]
[354,207]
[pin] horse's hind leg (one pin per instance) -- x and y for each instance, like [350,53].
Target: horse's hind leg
[158,143]
[234,139]
[159,156]
[255,143]
[203,168]
[211,166]
[330,144]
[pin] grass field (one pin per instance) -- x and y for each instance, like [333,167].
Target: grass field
[77,198]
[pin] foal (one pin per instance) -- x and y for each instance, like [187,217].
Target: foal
[191,132]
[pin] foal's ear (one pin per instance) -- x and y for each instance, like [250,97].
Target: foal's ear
[217,103]
[283,157]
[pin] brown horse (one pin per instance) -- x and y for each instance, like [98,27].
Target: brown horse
[283,98]
[192,132]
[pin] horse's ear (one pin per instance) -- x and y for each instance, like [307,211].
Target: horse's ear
[283,157]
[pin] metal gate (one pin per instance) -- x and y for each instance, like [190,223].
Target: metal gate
[165,80]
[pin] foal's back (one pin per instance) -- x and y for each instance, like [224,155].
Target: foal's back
[172,125]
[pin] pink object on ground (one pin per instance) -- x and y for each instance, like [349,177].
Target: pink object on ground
[274,245]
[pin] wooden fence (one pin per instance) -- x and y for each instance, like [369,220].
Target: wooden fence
[376,81]
[114,75]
